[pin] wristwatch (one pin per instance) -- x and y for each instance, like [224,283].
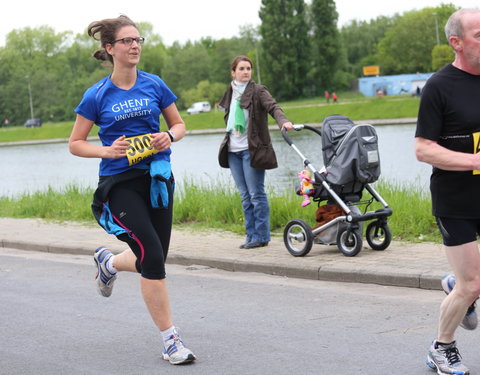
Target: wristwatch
[171,135]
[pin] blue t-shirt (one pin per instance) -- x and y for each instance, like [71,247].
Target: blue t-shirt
[126,112]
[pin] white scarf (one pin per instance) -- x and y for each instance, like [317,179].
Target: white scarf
[237,90]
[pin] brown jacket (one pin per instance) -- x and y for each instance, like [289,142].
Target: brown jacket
[260,104]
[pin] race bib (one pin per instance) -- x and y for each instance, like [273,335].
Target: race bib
[476,147]
[140,148]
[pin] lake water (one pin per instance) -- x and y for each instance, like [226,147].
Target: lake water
[36,167]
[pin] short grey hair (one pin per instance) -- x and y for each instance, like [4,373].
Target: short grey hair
[454,26]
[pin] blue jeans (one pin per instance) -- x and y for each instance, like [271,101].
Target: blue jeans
[251,186]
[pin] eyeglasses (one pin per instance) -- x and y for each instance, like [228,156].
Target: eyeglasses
[129,41]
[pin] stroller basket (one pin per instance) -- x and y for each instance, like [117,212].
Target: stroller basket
[351,163]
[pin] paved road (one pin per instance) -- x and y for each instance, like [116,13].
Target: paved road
[402,264]
[53,322]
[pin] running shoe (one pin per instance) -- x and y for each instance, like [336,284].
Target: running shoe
[446,360]
[470,321]
[103,278]
[177,353]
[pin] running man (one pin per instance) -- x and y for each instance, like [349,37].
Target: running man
[447,137]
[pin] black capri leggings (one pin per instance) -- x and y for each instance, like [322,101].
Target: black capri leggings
[148,228]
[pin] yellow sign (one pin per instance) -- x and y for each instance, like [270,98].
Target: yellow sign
[140,148]
[371,70]
[476,147]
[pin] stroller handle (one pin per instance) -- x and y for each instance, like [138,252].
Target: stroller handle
[298,127]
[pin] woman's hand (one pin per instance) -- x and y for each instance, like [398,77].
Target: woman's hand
[118,149]
[161,141]
[287,126]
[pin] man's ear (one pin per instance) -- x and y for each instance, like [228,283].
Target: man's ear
[456,43]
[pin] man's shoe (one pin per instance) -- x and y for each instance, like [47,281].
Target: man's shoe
[446,359]
[470,320]
[254,244]
[104,278]
[177,353]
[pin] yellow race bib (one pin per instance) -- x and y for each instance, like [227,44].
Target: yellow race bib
[140,148]
[476,146]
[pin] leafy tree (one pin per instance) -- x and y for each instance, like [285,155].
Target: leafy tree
[360,40]
[32,57]
[325,44]
[222,52]
[205,91]
[252,36]
[407,46]
[285,47]
[154,52]
[205,60]
[185,66]
[441,56]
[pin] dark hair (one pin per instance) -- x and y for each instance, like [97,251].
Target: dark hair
[105,32]
[239,59]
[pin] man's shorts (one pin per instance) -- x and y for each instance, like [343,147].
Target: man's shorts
[457,232]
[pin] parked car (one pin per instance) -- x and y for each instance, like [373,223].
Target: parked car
[199,107]
[32,123]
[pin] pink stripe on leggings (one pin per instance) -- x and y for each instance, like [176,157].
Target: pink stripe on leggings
[142,250]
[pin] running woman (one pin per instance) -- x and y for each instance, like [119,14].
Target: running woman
[134,197]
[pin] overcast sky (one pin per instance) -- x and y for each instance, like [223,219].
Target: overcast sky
[182,20]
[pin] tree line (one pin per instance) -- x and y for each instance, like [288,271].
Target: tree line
[298,51]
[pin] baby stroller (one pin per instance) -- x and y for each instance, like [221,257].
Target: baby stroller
[351,162]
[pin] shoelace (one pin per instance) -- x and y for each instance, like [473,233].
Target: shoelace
[452,354]
[176,345]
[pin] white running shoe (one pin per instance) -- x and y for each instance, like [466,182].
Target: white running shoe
[470,320]
[177,353]
[103,278]
[446,360]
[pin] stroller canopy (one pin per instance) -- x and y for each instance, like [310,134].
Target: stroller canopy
[350,152]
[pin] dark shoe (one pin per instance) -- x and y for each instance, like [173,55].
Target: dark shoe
[242,246]
[254,244]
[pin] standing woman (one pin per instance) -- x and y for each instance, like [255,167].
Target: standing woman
[247,148]
[135,194]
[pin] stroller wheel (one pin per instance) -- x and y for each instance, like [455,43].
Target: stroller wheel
[298,238]
[378,235]
[349,242]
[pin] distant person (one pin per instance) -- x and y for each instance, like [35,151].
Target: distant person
[379,93]
[247,148]
[334,97]
[134,198]
[6,122]
[327,97]
[447,137]
[418,91]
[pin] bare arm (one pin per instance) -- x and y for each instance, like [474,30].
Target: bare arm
[432,153]
[79,145]
[161,141]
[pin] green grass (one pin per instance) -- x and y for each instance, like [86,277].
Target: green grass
[224,211]
[299,111]
[48,130]
[69,204]
[314,112]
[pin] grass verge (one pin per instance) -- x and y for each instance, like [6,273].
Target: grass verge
[220,208]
